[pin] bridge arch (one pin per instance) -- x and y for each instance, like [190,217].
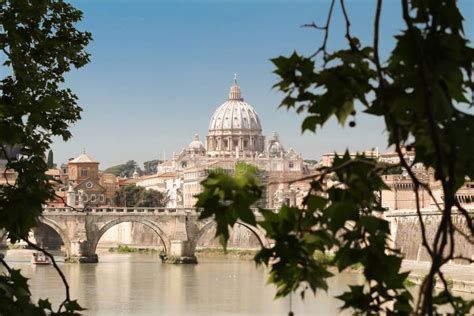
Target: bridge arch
[123,219]
[60,231]
[257,232]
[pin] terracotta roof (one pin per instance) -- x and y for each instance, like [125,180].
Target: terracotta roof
[166,174]
[122,182]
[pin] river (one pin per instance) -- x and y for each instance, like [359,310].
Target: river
[139,284]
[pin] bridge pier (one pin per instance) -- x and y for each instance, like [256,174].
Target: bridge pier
[80,252]
[181,251]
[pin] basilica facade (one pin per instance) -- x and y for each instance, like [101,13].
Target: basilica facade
[235,135]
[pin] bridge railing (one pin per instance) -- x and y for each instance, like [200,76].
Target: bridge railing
[127,210]
[121,210]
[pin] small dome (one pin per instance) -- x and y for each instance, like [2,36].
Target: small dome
[196,144]
[275,146]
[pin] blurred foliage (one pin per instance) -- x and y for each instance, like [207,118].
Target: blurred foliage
[423,92]
[38,44]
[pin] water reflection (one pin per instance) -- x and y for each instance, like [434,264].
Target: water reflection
[138,284]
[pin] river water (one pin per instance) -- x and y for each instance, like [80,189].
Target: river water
[139,284]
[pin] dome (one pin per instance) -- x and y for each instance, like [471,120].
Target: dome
[275,146]
[235,114]
[235,129]
[196,144]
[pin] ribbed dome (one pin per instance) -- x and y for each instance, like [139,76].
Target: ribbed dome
[235,128]
[235,114]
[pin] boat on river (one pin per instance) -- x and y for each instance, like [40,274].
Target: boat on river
[40,259]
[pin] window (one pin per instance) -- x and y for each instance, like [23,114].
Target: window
[291,165]
[102,198]
[84,172]
[89,185]
[93,199]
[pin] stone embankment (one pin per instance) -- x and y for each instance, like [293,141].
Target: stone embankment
[459,277]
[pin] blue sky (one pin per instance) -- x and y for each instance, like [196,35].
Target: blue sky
[160,68]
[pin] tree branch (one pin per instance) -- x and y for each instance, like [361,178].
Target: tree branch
[325,28]
[348,26]
[56,267]
[4,263]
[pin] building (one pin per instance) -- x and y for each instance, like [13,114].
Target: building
[83,181]
[235,134]
[401,194]
[328,158]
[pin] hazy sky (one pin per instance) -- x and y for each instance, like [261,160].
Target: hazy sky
[160,68]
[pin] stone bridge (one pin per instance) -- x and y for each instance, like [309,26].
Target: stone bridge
[179,229]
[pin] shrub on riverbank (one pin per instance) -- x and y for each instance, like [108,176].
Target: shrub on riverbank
[246,254]
[127,249]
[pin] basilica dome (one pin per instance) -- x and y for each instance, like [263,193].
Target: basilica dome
[235,127]
[235,114]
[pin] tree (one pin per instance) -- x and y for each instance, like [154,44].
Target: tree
[125,170]
[39,44]
[423,92]
[50,161]
[150,167]
[131,195]
[152,198]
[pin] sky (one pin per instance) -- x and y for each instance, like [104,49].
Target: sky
[159,69]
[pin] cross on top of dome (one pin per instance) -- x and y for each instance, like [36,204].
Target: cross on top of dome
[235,93]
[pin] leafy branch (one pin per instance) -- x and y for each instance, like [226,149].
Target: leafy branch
[413,91]
[41,44]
